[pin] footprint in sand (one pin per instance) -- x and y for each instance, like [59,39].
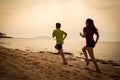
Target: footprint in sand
[65,71]
[52,61]
[61,75]
[53,69]
[70,65]
[36,63]
[44,59]
[78,71]
[25,54]
[33,56]
[64,76]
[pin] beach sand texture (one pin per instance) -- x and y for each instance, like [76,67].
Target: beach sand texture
[16,64]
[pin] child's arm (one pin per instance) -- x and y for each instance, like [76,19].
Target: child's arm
[83,35]
[97,38]
[53,34]
[65,35]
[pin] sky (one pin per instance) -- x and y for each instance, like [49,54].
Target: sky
[33,18]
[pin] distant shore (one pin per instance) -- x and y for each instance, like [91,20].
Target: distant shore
[6,37]
[16,64]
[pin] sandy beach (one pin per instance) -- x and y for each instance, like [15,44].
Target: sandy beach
[16,64]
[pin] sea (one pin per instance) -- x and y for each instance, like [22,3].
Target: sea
[104,50]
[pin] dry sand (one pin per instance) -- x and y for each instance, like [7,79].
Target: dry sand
[16,64]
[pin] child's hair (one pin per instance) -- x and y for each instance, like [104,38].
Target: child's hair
[91,24]
[58,25]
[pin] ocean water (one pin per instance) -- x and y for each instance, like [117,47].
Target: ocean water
[104,50]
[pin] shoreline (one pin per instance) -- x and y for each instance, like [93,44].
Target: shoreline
[16,64]
[34,45]
[111,62]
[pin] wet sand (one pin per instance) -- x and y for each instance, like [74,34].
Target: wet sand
[16,64]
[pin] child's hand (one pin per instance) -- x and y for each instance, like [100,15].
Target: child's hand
[80,34]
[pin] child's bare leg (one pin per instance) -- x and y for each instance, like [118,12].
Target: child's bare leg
[57,49]
[86,56]
[62,55]
[91,53]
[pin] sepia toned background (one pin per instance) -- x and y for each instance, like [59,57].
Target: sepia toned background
[34,18]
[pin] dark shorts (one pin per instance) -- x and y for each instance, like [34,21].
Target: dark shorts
[59,46]
[90,44]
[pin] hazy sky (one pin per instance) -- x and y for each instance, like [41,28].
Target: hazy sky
[32,18]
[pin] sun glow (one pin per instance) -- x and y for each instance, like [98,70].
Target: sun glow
[42,18]
[28,18]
